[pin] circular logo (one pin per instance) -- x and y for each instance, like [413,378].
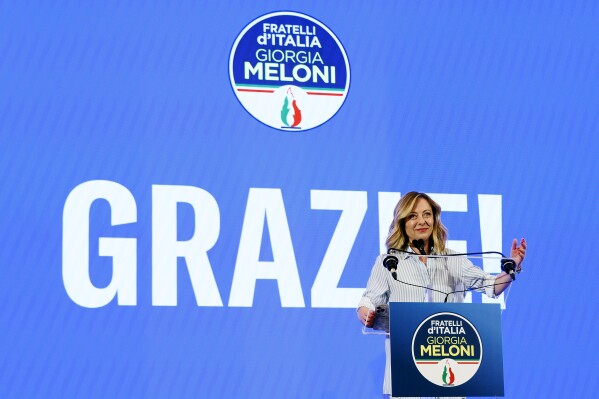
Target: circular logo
[446,349]
[289,71]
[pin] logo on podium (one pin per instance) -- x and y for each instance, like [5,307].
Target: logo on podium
[437,349]
[447,349]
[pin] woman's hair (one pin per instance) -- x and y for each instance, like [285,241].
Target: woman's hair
[398,238]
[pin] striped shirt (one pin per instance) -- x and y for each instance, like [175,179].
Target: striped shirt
[445,274]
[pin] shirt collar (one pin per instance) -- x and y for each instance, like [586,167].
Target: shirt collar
[409,249]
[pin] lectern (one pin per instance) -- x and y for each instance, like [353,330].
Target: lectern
[446,349]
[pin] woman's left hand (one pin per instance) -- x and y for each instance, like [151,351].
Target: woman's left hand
[518,252]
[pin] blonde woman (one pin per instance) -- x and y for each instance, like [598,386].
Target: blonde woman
[418,217]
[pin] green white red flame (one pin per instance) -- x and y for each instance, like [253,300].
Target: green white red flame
[447,372]
[285,110]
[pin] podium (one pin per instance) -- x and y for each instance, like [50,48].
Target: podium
[446,349]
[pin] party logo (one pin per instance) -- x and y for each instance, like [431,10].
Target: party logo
[289,71]
[447,349]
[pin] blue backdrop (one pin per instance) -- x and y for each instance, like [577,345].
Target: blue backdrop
[465,97]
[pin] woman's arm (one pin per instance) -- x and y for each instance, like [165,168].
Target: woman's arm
[376,293]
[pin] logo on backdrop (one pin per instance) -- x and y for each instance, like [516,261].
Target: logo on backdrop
[447,349]
[289,71]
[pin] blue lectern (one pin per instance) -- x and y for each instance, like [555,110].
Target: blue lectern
[446,349]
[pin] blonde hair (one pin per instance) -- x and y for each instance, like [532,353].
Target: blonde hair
[398,238]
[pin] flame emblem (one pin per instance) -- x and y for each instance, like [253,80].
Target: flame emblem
[291,116]
[447,372]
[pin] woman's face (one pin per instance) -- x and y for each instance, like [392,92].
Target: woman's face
[420,222]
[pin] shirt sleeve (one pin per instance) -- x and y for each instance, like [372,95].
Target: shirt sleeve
[475,278]
[377,288]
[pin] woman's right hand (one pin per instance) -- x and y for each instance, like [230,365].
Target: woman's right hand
[366,316]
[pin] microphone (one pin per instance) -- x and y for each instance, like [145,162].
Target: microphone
[420,245]
[508,266]
[390,262]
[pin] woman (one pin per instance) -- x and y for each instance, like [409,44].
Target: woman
[417,217]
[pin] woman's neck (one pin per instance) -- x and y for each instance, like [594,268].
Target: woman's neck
[417,250]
